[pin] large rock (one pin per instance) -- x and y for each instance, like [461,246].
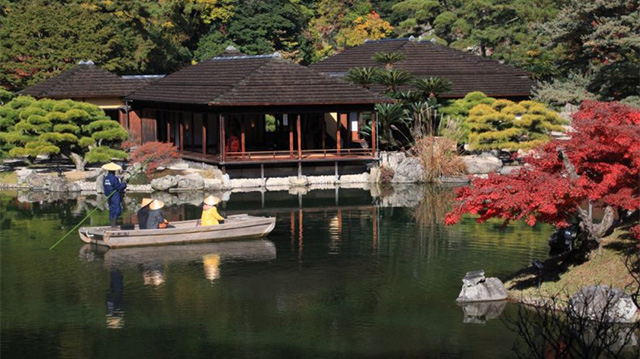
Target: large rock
[298,181]
[392,159]
[477,288]
[23,175]
[602,302]
[164,183]
[359,179]
[190,182]
[99,184]
[482,164]
[409,171]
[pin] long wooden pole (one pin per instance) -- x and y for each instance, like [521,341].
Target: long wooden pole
[95,209]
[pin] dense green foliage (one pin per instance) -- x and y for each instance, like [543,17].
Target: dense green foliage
[76,130]
[506,125]
[597,40]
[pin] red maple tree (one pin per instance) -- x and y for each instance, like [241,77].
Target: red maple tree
[155,154]
[599,164]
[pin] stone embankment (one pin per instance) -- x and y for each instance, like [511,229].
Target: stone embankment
[402,168]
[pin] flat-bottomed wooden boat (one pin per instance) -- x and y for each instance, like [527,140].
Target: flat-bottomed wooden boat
[183,232]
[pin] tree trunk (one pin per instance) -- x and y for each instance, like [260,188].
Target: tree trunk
[78,160]
[595,232]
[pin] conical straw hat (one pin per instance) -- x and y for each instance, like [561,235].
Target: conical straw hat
[211,200]
[156,204]
[111,167]
[146,202]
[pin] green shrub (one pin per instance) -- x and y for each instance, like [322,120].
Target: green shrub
[506,125]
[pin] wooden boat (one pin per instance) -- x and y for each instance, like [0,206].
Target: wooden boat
[183,232]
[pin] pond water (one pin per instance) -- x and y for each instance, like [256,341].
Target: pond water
[344,274]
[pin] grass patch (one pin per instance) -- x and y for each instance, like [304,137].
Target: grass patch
[562,276]
[9,177]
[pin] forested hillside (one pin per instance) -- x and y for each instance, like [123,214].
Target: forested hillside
[592,45]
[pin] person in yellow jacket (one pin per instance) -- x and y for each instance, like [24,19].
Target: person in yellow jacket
[210,214]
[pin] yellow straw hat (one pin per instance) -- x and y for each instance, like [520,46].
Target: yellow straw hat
[146,202]
[211,200]
[111,167]
[156,204]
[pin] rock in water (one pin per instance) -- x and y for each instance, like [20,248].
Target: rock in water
[477,288]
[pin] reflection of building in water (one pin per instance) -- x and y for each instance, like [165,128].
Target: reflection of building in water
[211,263]
[115,310]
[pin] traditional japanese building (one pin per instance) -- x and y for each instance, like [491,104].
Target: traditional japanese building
[467,72]
[87,82]
[241,111]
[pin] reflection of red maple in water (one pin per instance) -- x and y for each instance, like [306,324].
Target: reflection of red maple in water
[605,152]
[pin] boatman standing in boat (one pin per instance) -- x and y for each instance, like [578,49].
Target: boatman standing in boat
[112,184]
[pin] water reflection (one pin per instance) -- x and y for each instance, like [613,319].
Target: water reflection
[115,299]
[151,259]
[356,275]
[481,312]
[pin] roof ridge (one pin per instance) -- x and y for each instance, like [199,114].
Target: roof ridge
[243,80]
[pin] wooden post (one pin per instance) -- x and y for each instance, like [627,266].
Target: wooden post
[242,130]
[338,124]
[374,133]
[222,137]
[205,126]
[168,130]
[290,139]
[181,120]
[299,132]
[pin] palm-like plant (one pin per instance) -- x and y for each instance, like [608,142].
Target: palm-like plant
[388,58]
[432,86]
[393,78]
[390,118]
[363,76]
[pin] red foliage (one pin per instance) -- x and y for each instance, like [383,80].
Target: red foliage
[154,155]
[635,231]
[605,151]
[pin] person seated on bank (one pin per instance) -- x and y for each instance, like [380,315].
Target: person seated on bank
[156,220]
[115,189]
[143,213]
[210,216]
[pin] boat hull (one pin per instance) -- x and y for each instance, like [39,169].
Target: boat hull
[234,227]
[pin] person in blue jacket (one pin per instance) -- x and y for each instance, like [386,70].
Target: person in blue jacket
[111,183]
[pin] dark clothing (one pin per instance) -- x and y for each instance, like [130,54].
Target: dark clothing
[155,218]
[110,184]
[143,216]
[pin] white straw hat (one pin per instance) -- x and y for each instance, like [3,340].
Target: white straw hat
[156,204]
[211,200]
[111,167]
[146,202]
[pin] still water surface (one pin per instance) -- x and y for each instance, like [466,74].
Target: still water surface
[341,276]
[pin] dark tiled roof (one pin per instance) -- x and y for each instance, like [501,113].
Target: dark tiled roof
[86,80]
[265,80]
[467,72]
